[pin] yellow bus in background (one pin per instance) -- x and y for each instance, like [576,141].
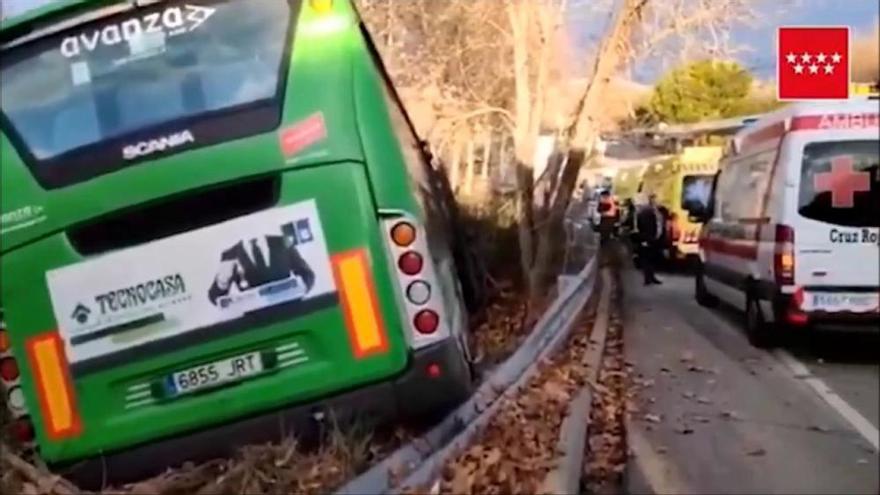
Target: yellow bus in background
[679,183]
[627,182]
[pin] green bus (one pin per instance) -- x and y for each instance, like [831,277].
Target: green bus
[218,227]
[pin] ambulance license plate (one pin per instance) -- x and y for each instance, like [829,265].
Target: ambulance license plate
[859,302]
[214,374]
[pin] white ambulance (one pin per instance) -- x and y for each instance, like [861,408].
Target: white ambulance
[792,230]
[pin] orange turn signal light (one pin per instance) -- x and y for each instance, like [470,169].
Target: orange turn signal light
[403,234]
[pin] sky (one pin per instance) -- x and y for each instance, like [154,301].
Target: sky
[759,41]
[859,15]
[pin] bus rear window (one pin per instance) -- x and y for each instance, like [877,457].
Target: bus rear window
[137,81]
[840,183]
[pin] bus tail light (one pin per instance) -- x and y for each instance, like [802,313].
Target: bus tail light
[15,399]
[426,321]
[434,370]
[403,234]
[359,303]
[418,292]
[423,311]
[783,255]
[8,369]
[54,387]
[21,430]
[410,263]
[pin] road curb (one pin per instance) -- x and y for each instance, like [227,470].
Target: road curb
[574,431]
[635,478]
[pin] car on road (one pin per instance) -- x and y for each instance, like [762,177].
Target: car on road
[218,227]
[792,228]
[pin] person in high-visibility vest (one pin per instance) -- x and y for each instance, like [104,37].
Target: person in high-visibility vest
[608,215]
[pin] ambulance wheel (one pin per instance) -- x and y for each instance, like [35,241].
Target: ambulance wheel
[758,331]
[703,296]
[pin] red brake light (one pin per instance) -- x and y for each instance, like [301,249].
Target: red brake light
[426,321]
[434,370]
[8,369]
[784,233]
[22,430]
[410,263]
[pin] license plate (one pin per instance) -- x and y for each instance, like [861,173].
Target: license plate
[845,302]
[214,374]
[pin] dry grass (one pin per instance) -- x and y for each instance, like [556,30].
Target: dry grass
[277,468]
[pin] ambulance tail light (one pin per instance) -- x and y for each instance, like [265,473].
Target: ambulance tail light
[794,314]
[422,311]
[783,255]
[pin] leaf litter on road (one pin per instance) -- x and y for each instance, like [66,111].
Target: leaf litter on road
[606,458]
[517,448]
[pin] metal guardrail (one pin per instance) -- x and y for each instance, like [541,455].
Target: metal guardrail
[419,461]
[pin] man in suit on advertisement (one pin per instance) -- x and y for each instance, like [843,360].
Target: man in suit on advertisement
[250,264]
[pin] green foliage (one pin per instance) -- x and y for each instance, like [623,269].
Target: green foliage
[704,90]
[754,105]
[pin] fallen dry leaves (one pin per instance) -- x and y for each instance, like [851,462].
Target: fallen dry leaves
[606,458]
[517,448]
[257,469]
[499,329]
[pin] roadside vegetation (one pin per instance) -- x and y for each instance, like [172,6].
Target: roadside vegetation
[484,81]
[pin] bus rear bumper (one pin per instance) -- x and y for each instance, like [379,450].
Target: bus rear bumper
[432,382]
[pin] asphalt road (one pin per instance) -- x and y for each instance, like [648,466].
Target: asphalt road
[712,414]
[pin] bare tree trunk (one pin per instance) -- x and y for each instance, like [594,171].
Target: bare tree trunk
[518,15]
[469,174]
[487,155]
[543,219]
[582,138]
[455,165]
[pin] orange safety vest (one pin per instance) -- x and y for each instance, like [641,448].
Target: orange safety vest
[611,211]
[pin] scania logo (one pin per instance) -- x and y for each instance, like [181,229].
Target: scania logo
[171,22]
[163,143]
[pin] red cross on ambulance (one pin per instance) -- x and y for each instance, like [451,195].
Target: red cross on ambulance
[843,182]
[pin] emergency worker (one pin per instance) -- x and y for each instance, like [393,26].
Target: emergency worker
[609,214]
